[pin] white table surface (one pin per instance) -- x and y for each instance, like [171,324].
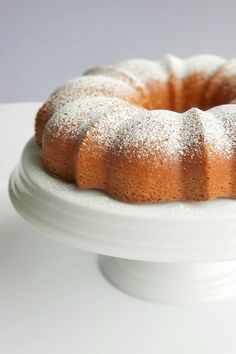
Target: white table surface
[53,299]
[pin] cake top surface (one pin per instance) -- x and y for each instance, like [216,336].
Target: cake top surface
[112,120]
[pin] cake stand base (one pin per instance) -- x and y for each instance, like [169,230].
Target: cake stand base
[173,283]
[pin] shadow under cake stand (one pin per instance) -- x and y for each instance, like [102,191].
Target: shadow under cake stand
[178,253]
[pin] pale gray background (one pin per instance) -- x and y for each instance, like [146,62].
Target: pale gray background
[45,42]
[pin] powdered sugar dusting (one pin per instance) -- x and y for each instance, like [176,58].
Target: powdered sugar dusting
[75,118]
[216,135]
[203,64]
[151,132]
[145,70]
[172,65]
[229,68]
[174,135]
[100,83]
[161,70]
[119,73]
[105,128]
[225,116]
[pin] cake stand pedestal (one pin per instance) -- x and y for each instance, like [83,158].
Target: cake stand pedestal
[178,253]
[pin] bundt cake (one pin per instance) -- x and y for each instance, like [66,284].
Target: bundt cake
[145,131]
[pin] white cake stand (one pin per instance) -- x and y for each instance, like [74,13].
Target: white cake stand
[170,253]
